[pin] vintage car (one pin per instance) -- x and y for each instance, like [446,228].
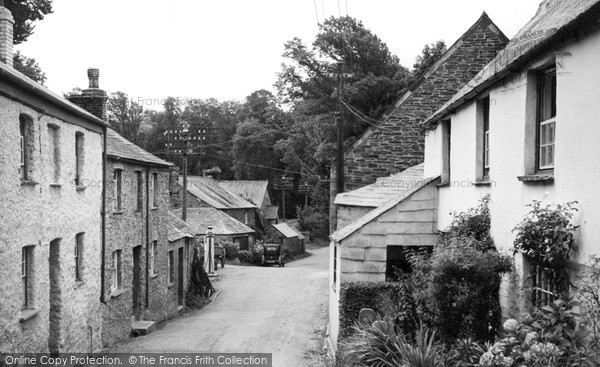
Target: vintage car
[272,254]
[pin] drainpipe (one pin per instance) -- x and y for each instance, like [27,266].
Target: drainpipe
[148,233]
[103,219]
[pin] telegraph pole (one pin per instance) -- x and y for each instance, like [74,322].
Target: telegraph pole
[185,169]
[340,133]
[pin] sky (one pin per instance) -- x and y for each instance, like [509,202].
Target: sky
[227,49]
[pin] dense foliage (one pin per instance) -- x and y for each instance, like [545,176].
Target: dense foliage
[546,238]
[392,299]
[456,288]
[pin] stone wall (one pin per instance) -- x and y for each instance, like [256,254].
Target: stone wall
[412,222]
[125,230]
[397,143]
[49,208]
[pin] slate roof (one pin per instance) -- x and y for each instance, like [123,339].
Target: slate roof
[252,191]
[286,230]
[120,148]
[272,212]
[384,189]
[178,229]
[13,76]
[343,233]
[199,219]
[554,21]
[209,191]
[483,21]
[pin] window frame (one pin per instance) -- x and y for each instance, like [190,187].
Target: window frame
[118,190]
[139,191]
[171,267]
[335,263]
[446,126]
[78,256]
[117,265]
[26,277]
[543,291]
[486,104]
[153,254]
[79,157]
[55,151]
[543,77]
[27,147]
[154,190]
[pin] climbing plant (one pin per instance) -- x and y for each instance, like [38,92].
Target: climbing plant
[546,238]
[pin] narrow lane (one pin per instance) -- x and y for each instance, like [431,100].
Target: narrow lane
[260,309]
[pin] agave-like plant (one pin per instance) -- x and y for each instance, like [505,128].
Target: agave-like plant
[381,345]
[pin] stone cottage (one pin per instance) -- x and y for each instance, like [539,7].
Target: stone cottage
[225,228]
[181,248]
[51,214]
[138,277]
[255,192]
[390,205]
[292,241]
[525,128]
[206,192]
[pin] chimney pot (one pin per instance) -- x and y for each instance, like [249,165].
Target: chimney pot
[94,77]
[7,23]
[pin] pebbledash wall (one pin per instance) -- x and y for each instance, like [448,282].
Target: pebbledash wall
[143,295]
[48,208]
[397,142]
[576,171]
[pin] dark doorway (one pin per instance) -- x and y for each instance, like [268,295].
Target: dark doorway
[55,275]
[136,285]
[180,260]
[398,260]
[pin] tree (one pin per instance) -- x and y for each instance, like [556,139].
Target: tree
[307,82]
[125,116]
[430,54]
[29,67]
[26,13]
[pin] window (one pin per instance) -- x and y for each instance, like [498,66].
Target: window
[117,190]
[544,289]
[54,151]
[79,158]
[446,148]
[139,190]
[546,118]
[171,268]
[154,190]
[242,242]
[79,257]
[153,255]
[117,271]
[26,277]
[27,143]
[485,137]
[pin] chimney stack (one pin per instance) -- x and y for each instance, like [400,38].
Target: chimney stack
[94,76]
[92,99]
[7,23]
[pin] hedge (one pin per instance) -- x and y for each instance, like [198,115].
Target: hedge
[385,298]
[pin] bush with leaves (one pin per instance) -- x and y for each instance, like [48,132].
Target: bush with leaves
[390,299]
[314,221]
[245,256]
[231,249]
[546,238]
[588,292]
[456,287]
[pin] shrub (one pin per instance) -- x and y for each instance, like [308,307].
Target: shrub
[315,221]
[456,288]
[391,299]
[245,256]
[588,288]
[546,237]
[231,250]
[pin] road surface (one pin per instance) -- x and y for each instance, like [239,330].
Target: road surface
[259,309]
